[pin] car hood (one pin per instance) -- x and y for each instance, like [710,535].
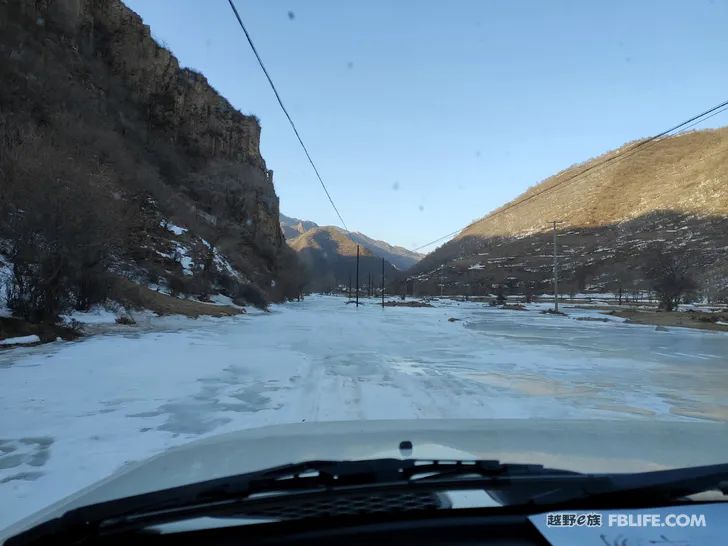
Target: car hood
[586,446]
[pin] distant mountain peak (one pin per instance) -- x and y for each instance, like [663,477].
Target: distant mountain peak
[301,234]
[329,239]
[293,227]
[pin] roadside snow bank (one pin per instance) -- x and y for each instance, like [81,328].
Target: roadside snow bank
[22,340]
[95,315]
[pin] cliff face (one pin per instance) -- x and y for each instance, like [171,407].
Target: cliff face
[161,129]
[179,100]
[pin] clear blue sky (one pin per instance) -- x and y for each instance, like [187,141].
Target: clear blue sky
[425,115]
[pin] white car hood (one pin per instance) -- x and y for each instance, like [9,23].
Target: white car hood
[588,446]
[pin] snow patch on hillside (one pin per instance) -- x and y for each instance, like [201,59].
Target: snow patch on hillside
[5,272]
[177,230]
[222,263]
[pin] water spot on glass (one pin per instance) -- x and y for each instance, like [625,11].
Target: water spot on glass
[350,65]
[395,186]
[291,15]
[421,207]
[477,153]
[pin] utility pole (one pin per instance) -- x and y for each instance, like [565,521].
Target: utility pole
[349,296]
[382,283]
[556,269]
[357,275]
[442,279]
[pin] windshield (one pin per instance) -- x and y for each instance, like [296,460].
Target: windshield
[493,230]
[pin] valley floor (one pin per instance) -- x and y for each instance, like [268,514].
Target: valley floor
[73,412]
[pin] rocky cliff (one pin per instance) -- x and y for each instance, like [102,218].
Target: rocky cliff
[87,78]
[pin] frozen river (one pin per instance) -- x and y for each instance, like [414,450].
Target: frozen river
[74,412]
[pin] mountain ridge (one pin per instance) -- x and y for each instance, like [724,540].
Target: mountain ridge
[635,169]
[674,189]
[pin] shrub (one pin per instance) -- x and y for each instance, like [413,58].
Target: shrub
[250,294]
[176,285]
[125,320]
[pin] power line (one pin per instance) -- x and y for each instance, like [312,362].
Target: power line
[699,118]
[293,125]
[684,129]
[437,240]
[706,117]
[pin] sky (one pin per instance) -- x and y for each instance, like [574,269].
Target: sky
[423,116]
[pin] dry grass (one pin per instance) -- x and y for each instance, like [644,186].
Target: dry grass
[141,297]
[685,174]
[696,319]
[15,327]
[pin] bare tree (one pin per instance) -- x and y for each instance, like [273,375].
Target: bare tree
[714,285]
[622,282]
[62,231]
[669,275]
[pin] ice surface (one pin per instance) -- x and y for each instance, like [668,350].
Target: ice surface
[73,412]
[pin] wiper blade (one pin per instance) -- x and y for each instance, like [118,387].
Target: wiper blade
[639,489]
[235,494]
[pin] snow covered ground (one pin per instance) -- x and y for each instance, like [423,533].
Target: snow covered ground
[73,412]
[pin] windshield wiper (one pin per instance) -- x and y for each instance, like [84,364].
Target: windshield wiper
[639,489]
[249,493]
[269,491]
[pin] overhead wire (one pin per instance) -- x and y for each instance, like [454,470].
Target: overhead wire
[288,116]
[691,122]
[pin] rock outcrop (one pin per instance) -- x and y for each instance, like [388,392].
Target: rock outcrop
[158,128]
